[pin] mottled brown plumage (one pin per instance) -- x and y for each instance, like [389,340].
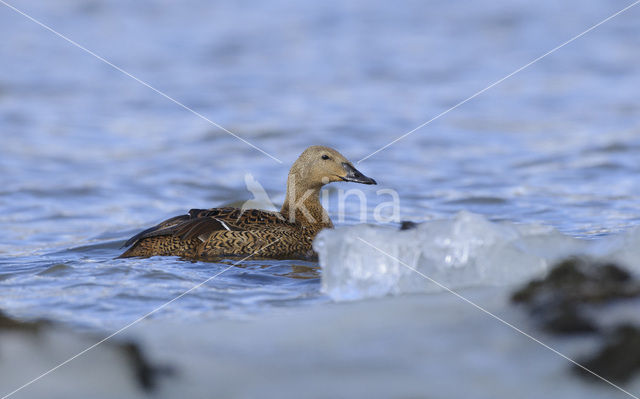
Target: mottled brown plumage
[210,233]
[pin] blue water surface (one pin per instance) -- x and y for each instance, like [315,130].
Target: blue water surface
[90,156]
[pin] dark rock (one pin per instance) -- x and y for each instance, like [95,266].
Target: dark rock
[580,280]
[8,323]
[575,288]
[618,359]
[560,300]
[567,319]
[407,225]
[146,373]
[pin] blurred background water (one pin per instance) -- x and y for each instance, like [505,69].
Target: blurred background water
[89,156]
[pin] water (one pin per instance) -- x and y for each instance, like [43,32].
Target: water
[89,156]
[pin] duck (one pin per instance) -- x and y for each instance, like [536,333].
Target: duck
[226,232]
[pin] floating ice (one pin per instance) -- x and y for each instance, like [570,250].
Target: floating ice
[369,261]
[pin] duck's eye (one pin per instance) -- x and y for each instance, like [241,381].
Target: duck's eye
[325,156]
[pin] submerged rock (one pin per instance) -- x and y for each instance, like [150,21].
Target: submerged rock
[408,225]
[571,299]
[561,299]
[146,373]
[580,280]
[10,324]
[52,344]
[619,357]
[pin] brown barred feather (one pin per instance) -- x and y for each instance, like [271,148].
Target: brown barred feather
[216,232]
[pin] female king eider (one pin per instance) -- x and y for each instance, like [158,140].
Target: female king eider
[207,233]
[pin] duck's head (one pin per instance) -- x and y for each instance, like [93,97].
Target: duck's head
[319,165]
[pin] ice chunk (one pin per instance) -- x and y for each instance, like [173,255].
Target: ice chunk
[368,261]
[625,249]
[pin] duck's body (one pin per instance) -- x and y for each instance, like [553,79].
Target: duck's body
[225,231]
[234,232]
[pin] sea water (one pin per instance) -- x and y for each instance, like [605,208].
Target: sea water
[543,165]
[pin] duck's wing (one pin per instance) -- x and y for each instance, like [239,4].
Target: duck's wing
[247,219]
[204,222]
[159,229]
[201,223]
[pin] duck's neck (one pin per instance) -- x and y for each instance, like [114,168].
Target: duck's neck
[302,206]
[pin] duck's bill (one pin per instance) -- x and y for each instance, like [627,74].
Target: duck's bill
[354,175]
